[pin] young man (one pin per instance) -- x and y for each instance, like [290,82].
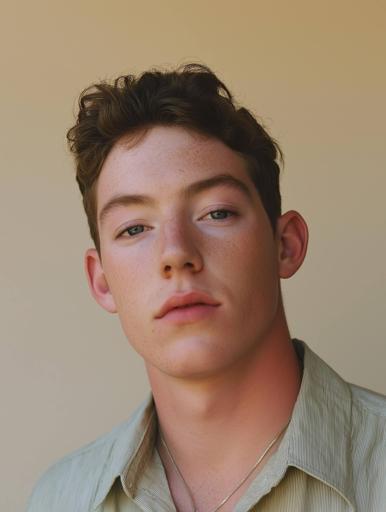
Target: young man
[181,191]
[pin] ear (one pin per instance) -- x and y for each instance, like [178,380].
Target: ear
[97,281]
[292,238]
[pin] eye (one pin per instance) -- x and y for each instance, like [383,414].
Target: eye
[221,214]
[132,231]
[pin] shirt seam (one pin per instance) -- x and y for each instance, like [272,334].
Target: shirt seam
[364,406]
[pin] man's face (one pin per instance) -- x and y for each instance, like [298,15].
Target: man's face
[216,239]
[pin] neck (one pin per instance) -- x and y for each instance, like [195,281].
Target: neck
[226,420]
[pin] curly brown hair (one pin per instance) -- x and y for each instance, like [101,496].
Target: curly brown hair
[190,96]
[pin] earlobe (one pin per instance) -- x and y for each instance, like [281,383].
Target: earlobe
[97,281]
[292,235]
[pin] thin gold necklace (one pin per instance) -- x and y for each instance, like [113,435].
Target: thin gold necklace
[244,479]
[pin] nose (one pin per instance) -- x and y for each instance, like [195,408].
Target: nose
[179,249]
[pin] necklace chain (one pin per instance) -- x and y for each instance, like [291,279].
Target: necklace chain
[242,481]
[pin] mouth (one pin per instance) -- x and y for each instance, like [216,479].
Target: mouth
[190,305]
[190,313]
[187,301]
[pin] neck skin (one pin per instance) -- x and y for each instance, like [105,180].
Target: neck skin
[216,429]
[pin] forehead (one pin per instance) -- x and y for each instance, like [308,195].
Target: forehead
[164,160]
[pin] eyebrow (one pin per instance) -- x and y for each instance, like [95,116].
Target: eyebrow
[190,191]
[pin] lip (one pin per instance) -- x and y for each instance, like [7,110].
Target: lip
[189,314]
[187,305]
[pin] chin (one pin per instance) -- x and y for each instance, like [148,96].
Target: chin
[193,360]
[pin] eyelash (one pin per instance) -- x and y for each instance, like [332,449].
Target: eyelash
[232,214]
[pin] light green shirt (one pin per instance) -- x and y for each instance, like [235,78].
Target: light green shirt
[332,458]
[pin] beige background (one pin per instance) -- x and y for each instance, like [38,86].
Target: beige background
[314,71]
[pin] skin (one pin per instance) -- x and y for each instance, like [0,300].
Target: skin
[223,386]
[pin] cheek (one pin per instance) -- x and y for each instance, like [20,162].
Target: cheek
[251,271]
[126,278]
[249,259]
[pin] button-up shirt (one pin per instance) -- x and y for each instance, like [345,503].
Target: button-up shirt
[332,458]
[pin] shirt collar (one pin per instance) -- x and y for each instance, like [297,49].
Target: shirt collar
[318,436]
[128,448]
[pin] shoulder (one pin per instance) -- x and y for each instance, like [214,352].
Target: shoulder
[72,484]
[368,438]
[368,412]
[368,400]
[72,478]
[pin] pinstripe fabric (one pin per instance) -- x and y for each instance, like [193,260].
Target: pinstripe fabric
[332,458]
